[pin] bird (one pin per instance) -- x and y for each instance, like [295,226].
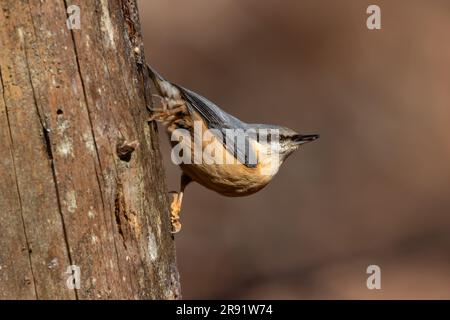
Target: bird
[256,151]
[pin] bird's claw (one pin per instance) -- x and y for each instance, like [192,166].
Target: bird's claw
[175,209]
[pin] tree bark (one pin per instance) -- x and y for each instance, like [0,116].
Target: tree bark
[82,182]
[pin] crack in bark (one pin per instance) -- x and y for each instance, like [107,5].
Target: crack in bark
[119,209]
[47,144]
[40,113]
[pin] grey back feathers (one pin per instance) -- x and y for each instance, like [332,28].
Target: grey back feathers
[215,117]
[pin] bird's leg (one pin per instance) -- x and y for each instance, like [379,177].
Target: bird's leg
[175,206]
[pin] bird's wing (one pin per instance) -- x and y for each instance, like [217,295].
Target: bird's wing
[218,119]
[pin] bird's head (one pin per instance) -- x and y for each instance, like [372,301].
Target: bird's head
[284,141]
[290,141]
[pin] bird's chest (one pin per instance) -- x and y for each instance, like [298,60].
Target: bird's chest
[205,159]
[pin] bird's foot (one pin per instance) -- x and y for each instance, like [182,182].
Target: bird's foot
[158,115]
[166,115]
[175,209]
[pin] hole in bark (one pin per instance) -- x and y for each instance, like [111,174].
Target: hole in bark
[59,112]
[124,149]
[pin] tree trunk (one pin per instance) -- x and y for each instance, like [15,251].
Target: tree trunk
[73,193]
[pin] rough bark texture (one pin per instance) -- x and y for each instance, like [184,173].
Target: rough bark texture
[71,103]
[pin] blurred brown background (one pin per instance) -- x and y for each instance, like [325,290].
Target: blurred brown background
[373,190]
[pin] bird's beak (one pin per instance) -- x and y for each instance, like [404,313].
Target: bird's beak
[305,138]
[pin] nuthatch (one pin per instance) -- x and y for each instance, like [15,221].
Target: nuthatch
[183,108]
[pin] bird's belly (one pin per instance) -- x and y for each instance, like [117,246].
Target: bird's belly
[233,180]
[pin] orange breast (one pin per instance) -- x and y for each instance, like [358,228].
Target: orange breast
[228,179]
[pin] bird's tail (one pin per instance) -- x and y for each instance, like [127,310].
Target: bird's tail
[165,88]
[156,77]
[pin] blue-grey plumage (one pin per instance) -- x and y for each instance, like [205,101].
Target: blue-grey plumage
[182,107]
